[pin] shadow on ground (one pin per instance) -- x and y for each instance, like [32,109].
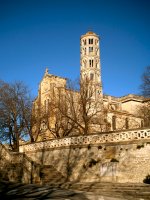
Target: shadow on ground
[18,191]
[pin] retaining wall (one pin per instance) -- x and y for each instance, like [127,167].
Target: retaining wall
[114,157]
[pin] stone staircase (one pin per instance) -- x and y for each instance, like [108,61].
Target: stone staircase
[127,191]
[49,175]
[18,167]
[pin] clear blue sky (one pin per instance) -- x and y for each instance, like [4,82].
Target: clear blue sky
[39,33]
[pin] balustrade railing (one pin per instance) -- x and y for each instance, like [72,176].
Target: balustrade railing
[99,138]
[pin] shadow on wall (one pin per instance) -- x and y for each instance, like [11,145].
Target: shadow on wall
[79,164]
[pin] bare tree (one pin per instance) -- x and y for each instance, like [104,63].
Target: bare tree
[144,110]
[39,116]
[144,113]
[55,118]
[72,112]
[15,101]
[145,86]
[83,107]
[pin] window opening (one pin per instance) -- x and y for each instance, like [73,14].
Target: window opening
[90,49]
[90,41]
[91,76]
[114,122]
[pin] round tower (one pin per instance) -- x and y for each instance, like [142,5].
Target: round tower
[90,60]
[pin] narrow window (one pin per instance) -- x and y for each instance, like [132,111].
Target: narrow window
[142,123]
[90,63]
[127,123]
[114,123]
[45,105]
[85,51]
[84,42]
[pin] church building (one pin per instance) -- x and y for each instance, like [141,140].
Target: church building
[120,112]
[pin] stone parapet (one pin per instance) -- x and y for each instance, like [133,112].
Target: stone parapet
[99,138]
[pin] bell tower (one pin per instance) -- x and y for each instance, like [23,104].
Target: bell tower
[90,61]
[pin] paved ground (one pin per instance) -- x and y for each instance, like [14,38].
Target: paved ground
[18,191]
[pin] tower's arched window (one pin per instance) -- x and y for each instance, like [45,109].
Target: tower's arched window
[91,63]
[114,123]
[85,42]
[90,49]
[91,76]
[85,51]
[90,41]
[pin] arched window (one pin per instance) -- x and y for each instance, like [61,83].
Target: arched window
[91,76]
[90,63]
[90,49]
[114,123]
[90,41]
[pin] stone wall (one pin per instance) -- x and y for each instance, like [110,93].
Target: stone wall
[17,167]
[114,157]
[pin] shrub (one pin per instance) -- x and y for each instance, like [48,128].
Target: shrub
[140,146]
[114,160]
[92,162]
[147,179]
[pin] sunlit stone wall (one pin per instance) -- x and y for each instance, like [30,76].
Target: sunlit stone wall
[114,157]
[17,167]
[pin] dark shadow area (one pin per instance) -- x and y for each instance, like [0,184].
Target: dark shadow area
[18,191]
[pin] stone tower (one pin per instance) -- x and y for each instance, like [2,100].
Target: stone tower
[90,61]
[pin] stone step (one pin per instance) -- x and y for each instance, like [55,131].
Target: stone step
[50,175]
[109,189]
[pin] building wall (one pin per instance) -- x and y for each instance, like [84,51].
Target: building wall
[131,106]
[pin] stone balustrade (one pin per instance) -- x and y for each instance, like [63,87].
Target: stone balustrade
[99,138]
